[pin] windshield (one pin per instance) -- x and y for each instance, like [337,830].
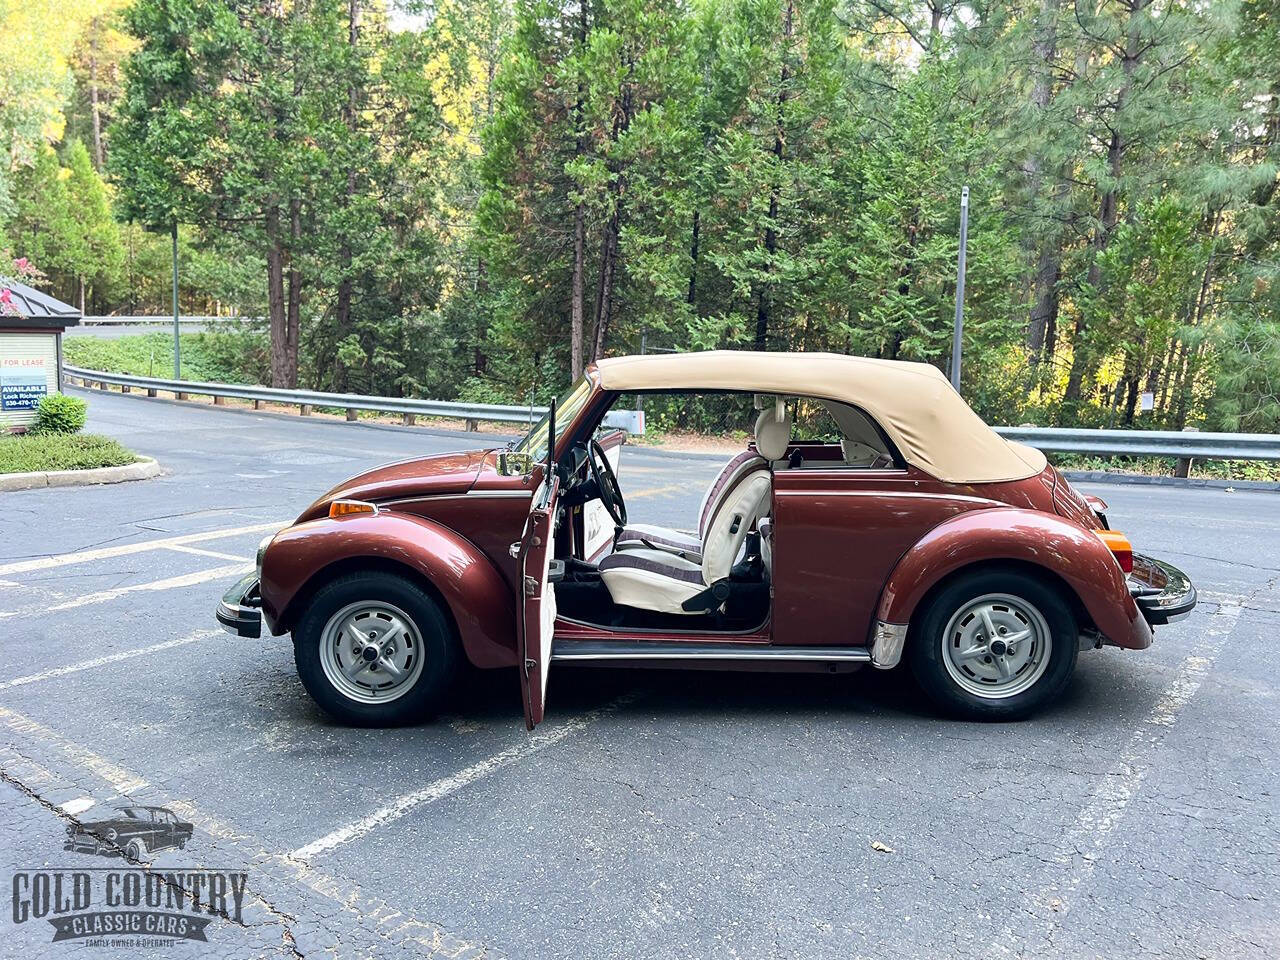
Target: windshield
[567,408]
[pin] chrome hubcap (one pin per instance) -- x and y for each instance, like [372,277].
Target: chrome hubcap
[371,651]
[996,646]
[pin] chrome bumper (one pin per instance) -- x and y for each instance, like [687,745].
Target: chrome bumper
[1163,593]
[240,609]
[887,643]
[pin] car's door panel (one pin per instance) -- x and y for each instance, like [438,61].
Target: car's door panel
[535,623]
[837,535]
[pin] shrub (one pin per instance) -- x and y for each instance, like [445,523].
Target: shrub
[59,413]
[29,452]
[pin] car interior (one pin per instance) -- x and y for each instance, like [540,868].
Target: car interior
[714,576]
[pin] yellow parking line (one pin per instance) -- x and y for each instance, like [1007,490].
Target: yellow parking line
[656,491]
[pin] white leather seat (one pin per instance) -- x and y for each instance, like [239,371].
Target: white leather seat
[640,536]
[664,582]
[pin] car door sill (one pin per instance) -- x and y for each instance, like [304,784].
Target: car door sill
[568,650]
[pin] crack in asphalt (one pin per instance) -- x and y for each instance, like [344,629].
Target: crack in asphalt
[284,919]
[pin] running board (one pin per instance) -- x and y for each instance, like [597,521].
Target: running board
[569,650]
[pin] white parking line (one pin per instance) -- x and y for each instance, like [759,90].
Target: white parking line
[453,783]
[1082,845]
[108,658]
[124,550]
[122,781]
[104,596]
[76,806]
[197,552]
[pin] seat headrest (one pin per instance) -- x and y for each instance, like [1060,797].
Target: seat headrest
[773,436]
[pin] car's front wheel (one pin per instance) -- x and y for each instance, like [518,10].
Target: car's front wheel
[995,645]
[375,649]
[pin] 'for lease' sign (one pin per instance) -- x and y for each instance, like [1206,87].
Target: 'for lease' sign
[22,383]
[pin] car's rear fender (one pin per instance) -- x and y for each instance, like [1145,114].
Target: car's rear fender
[302,558]
[1068,553]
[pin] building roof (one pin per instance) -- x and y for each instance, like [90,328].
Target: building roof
[38,309]
[916,406]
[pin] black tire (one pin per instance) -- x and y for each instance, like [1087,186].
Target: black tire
[136,850]
[925,645]
[442,656]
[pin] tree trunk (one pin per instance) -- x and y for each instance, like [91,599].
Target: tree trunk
[692,299]
[1044,285]
[1042,328]
[94,107]
[345,284]
[763,304]
[576,308]
[604,293]
[611,246]
[1108,214]
[275,301]
[293,319]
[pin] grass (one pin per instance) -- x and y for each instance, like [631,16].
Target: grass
[1164,466]
[32,452]
[231,356]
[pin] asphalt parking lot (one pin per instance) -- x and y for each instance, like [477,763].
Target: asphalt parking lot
[654,814]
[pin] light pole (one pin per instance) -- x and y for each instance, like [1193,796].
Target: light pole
[177,348]
[959,330]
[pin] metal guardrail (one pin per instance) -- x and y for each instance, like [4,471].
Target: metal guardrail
[161,320]
[308,400]
[1149,443]
[1184,445]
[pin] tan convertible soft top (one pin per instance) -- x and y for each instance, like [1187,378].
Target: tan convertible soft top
[914,403]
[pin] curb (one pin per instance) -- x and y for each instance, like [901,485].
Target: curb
[1212,483]
[144,469]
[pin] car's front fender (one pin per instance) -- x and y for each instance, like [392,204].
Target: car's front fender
[1072,554]
[300,558]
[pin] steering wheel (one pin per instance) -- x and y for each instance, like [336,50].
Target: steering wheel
[607,483]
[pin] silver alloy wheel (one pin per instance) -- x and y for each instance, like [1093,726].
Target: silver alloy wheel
[996,646]
[371,652]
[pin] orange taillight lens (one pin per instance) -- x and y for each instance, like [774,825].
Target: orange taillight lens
[1119,546]
[349,508]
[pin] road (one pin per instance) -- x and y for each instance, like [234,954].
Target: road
[654,814]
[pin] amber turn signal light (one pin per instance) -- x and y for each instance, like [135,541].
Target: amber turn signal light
[347,508]
[1119,546]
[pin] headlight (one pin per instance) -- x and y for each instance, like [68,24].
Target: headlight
[111,835]
[262,550]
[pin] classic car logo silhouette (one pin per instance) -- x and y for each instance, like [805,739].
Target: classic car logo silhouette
[134,831]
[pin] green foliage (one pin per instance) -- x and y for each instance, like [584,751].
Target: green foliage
[480,208]
[60,413]
[33,452]
[234,355]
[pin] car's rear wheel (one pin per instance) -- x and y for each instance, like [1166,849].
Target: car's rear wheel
[995,645]
[375,649]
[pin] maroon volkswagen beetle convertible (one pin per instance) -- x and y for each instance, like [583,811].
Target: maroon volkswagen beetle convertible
[909,529]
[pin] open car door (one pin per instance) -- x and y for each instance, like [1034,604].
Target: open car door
[536,619]
[597,525]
